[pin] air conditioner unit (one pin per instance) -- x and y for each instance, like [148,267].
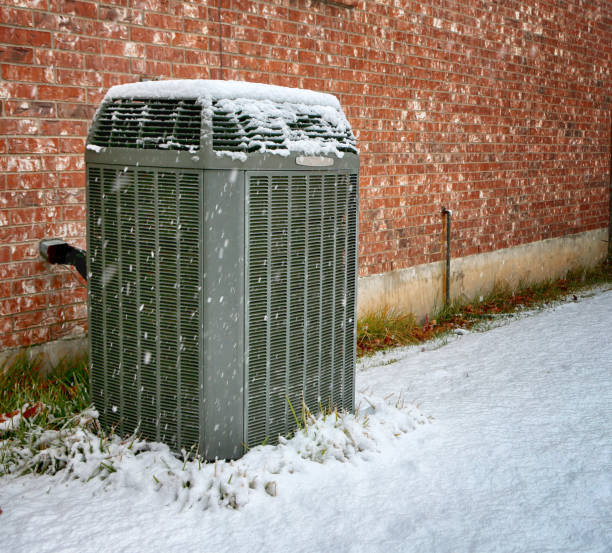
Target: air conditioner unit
[222,257]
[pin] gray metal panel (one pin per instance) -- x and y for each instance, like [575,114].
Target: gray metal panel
[205,159]
[300,318]
[351,288]
[144,240]
[223,293]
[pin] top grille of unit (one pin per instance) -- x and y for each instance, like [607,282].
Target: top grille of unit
[235,130]
[163,124]
[175,124]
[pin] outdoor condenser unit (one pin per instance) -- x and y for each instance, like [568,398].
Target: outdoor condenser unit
[222,234]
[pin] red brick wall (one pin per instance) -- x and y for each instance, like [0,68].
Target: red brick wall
[498,110]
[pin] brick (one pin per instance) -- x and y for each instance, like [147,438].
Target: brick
[73,110]
[72,145]
[72,180]
[22,252]
[62,196]
[27,37]
[5,251]
[62,93]
[63,163]
[18,90]
[18,163]
[139,67]
[130,49]
[66,229]
[35,318]
[27,109]
[27,215]
[117,29]
[151,36]
[69,329]
[32,145]
[196,57]
[190,40]
[16,54]
[116,79]
[66,128]
[36,285]
[158,68]
[76,43]
[22,303]
[24,338]
[75,7]
[108,63]
[74,213]
[151,5]
[19,126]
[12,235]
[6,323]
[164,53]
[82,78]
[59,58]
[163,21]
[11,198]
[17,17]
[67,297]
[191,72]
[24,73]
[95,96]
[20,270]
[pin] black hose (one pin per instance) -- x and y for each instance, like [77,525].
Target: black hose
[78,258]
[56,251]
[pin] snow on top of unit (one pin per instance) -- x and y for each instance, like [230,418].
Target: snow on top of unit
[273,128]
[214,90]
[251,117]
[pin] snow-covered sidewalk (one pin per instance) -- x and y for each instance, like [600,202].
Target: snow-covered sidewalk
[517,458]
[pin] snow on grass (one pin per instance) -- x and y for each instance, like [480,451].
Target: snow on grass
[12,420]
[80,451]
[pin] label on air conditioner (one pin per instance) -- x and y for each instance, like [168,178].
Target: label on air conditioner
[314,161]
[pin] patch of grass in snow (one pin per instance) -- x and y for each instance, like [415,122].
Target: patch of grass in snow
[24,380]
[35,402]
[391,327]
[384,328]
[63,389]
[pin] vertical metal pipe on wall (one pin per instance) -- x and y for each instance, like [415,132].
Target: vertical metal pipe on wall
[447,213]
[610,199]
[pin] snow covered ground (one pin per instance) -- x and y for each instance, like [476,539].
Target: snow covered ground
[517,458]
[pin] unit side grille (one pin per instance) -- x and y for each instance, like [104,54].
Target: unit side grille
[235,130]
[162,124]
[144,242]
[301,271]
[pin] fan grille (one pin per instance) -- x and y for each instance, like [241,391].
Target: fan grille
[301,298]
[164,124]
[237,131]
[144,260]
